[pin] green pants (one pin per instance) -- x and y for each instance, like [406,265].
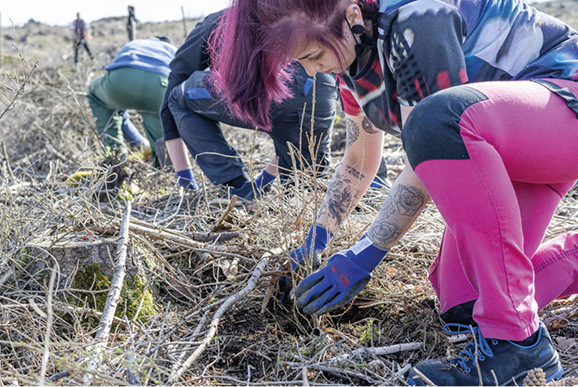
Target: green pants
[127,88]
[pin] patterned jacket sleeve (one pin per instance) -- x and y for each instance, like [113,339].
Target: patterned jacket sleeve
[425,52]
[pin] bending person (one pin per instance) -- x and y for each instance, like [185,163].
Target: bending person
[192,114]
[486,95]
[135,79]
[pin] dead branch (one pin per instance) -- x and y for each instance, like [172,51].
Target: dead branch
[171,236]
[340,372]
[105,324]
[86,312]
[424,378]
[251,284]
[5,154]
[378,351]
[49,322]
[226,212]
[11,103]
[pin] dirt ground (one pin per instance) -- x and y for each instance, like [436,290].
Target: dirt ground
[201,313]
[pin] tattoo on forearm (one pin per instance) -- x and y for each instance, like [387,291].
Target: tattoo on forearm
[354,173]
[387,209]
[368,126]
[408,200]
[383,232]
[341,194]
[392,221]
[352,131]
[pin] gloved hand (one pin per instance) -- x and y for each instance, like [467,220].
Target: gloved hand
[264,179]
[379,183]
[315,242]
[345,275]
[247,191]
[186,179]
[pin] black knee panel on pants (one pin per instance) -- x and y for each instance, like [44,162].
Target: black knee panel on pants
[432,130]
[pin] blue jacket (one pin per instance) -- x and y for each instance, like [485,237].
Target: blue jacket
[145,54]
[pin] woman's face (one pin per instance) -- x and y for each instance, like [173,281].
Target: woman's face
[316,58]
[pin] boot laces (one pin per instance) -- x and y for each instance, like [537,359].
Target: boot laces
[479,347]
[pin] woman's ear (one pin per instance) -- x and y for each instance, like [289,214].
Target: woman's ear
[353,14]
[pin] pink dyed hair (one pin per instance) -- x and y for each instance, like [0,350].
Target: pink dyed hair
[250,49]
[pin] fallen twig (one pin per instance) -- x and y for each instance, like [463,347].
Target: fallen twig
[378,351]
[103,332]
[50,320]
[172,236]
[423,377]
[224,215]
[251,284]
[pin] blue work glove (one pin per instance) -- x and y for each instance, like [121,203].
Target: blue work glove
[247,191]
[264,179]
[129,131]
[378,183]
[345,275]
[187,180]
[315,243]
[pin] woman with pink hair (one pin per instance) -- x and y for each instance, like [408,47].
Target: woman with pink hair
[484,96]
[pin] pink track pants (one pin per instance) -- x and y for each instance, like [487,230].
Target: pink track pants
[496,159]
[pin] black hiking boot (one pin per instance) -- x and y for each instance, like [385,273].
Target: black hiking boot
[500,362]
[460,314]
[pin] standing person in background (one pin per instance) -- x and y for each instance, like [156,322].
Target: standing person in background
[135,79]
[484,95]
[131,23]
[80,36]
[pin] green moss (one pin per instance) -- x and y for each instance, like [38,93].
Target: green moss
[368,333]
[133,291]
[25,258]
[132,294]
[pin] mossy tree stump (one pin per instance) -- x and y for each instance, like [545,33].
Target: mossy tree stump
[85,269]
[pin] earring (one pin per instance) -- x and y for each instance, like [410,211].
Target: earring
[358,29]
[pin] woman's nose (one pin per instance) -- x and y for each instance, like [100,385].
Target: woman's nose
[311,68]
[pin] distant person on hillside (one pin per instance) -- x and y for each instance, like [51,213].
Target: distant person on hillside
[80,36]
[131,23]
[136,79]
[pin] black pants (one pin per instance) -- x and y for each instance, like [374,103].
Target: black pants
[77,44]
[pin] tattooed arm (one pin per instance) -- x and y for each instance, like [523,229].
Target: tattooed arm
[403,204]
[355,172]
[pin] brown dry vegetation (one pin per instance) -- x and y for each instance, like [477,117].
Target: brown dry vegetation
[207,266]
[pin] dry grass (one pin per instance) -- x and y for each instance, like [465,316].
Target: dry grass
[208,266]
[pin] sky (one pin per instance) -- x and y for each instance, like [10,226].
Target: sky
[63,12]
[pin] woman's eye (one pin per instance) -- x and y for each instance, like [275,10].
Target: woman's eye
[316,57]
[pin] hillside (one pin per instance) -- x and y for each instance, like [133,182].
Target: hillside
[195,306]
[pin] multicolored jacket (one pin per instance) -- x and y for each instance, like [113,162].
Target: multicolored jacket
[424,46]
